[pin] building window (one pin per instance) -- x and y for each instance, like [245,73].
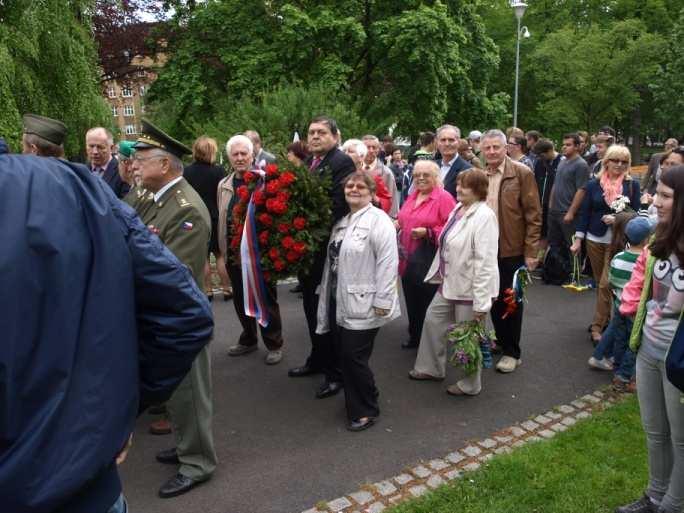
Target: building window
[111,92]
[128,110]
[130,130]
[127,92]
[115,112]
[142,90]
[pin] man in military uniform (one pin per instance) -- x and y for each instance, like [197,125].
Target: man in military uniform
[43,136]
[171,208]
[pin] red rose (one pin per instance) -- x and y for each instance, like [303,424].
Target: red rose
[283,196]
[299,223]
[273,253]
[243,192]
[249,177]
[276,206]
[283,227]
[287,178]
[267,276]
[273,187]
[287,242]
[235,242]
[271,170]
[299,247]
[238,210]
[238,228]
[263,238]
[259,197]
[278,264]
[265,219]
[292,256]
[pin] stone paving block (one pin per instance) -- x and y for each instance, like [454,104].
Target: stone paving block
[502,450]
[312,510]
[534,439]
[417,491]
[542,419]
[438,464]
[395,500]
[471,466]
[553,415]
[591,399]
[455,457]
[529,425]
[579,404]
[486,457]
[362,497]
[558,428]
[487,443]
[547,434]
[385,488]
[583,415]
[472,451]
[402,479]
[503,439]
[519,443]
[435,481]
[421,471]
[566,408]
[600,394]
[339,504]
[517,431]
[376,507]
[452,474]
[569,421]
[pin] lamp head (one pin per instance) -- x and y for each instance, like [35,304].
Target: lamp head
[519,8]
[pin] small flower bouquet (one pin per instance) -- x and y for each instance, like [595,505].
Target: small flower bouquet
[291,217]
[620,204]
[575,285]
[470,344]
[515,294]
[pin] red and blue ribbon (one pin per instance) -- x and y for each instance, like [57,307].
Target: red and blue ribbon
[253,283]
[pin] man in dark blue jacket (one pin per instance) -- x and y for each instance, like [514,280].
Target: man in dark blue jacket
[99,321]
[451,163]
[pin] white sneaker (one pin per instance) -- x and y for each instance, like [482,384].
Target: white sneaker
[273,357]
[603,364]
[507,364]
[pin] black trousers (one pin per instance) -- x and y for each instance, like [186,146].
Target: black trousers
[271,334]
[418,296]
[353,349]
[508,330]
[322,357]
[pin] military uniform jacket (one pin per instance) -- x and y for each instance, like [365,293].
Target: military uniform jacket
[180,219]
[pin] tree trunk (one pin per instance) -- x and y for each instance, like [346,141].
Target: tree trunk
[636,135]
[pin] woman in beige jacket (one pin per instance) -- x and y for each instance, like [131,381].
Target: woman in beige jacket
[466,268]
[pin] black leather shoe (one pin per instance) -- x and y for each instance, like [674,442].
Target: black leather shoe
[329,389]
[157,409]
[361,424]
[169,456]
[299,372]
[178,485]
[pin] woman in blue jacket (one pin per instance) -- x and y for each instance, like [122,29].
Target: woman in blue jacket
[612,191]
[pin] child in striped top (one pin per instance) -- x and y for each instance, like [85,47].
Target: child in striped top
[612,352]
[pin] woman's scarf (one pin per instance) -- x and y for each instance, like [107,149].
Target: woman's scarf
[611,188]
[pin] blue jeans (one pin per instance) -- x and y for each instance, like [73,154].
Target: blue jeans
[615,342]
[119,506]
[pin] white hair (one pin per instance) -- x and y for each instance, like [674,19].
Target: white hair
[449,127]
[240,139]
[371,137]
[495,133]
[359,147]
[431,166]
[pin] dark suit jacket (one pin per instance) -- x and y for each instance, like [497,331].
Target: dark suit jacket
[450,179]
[338,165]
[112,178]
[648,182]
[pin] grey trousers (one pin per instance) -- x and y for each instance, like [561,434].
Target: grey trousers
[190,411]
[432,352]
[662,415]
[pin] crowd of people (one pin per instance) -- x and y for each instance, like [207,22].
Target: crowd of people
[452,222]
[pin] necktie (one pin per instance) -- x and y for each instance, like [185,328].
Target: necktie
[315,163]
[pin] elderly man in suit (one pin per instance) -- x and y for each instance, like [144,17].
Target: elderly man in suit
[326,160]
[261,156]
[451,163]
[99,144]
[170,208]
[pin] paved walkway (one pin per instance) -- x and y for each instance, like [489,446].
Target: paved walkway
[282,451]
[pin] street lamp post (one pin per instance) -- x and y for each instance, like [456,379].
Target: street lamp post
[519,9]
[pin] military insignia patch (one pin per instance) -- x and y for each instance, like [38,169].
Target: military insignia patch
[187,226]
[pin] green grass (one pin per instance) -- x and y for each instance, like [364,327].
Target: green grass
[592,468]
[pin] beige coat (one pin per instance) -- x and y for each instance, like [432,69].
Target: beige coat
[224,193]
[471,271]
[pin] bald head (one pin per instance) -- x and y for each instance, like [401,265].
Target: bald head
[99,144]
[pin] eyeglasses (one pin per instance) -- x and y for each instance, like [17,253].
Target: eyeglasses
[512,143]
[619,162]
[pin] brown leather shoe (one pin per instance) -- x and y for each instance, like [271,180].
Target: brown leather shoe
[160,427]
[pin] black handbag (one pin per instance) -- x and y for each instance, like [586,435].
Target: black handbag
[420,260]
[674,362]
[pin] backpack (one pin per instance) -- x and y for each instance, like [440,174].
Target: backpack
[557,266]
